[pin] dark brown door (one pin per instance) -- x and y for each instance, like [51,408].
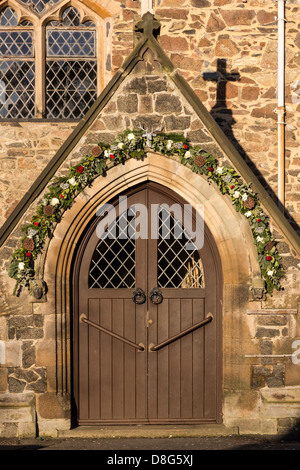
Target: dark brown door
[147,329]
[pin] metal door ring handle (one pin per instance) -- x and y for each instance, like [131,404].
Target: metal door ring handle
[139,296]
[156,296]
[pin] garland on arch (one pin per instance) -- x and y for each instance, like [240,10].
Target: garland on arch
[135,144]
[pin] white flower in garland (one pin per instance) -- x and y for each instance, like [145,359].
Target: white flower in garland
[54,201]
[21,266]
[106,153]
[72,181]
[31,232]
[259,239]
[236,194]
[270,273]
[219,170]
[244,197]
[169,144]
[131,136]
[120,145]
[187,154]
[248,214]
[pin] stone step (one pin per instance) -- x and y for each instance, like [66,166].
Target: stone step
[148,431]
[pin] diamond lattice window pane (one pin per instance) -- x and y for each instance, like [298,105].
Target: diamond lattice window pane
[71,88]
[17,89]
[8,17]
[113,261]
[178,262]
[71,43]
[16,43]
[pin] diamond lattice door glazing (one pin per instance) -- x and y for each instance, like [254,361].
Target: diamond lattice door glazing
[139,358]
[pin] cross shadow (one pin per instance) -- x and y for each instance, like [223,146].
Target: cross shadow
[224,117]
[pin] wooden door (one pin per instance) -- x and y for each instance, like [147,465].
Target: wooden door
[147,328]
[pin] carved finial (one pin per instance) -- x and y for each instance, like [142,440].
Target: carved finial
[148,25]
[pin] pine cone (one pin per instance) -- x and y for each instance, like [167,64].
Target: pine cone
[269,246]
[28,243]
[199,160]
[48,210]
[97,151]
[249,203]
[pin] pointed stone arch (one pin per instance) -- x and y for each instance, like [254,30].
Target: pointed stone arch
[230,232]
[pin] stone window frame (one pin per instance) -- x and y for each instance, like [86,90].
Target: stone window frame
[39,21]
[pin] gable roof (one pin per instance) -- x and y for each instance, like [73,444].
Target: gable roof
[148,25]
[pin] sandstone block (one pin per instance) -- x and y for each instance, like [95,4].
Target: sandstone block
[177,122]
[128,103]
[215,23]
[167,103]
[201,3]
[250,93]
[174,43]
[265,17]
[226,48]
[50,407]
[238,17]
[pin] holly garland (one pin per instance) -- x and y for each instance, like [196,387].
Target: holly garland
[135,144]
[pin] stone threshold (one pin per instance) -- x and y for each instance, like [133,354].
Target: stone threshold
[149,431]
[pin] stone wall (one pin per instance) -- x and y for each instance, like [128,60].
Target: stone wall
[227,50]
[261,384]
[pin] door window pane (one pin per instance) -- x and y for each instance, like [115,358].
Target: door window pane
[178,262]
[113,261]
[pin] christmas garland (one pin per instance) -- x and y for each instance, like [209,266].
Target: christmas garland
[135,144]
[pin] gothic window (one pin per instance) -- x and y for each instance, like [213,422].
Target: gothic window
[48,68]
[71,66]
[17,67]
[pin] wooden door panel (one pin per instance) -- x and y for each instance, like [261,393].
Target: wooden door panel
[178,372]
[113,374]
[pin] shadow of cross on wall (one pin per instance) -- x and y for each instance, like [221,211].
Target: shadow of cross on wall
[219,111]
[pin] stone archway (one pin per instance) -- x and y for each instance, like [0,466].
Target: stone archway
[229,229]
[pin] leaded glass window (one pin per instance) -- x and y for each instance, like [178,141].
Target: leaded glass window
[178,261]
[17,67]
[51,71]
[113,262]
[71,66]
[39,5]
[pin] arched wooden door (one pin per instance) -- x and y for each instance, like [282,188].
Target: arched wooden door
[147,322]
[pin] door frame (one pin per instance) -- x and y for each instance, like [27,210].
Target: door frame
[75,286]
